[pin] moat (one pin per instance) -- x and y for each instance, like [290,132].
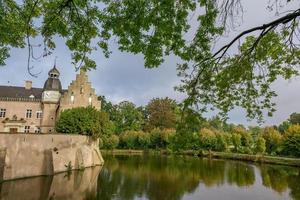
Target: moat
[162,178]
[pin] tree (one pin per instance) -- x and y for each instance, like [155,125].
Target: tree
[273,140]
[157,29]
[295,118]
[126,116]
[162,113]
[85,121]
[282,128]
[190,121]
[260,145]
[106,105]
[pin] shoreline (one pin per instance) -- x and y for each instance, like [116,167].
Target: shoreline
[295,162]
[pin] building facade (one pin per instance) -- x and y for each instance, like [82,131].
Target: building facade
[35,110]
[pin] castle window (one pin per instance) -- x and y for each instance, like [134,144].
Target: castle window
[28,113]
[81,89]
[37,130]
[90,100]
[2,112]
[72,98]
[27,129]
[39,114]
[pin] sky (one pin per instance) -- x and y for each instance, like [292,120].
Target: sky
[124,77]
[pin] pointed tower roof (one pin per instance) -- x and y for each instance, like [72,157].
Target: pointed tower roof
[53,83]
[54,71]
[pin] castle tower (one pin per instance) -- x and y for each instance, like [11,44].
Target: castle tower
[50,101]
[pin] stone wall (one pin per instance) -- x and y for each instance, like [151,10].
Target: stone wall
[26,155]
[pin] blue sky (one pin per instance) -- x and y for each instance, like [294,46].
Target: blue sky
[123,76]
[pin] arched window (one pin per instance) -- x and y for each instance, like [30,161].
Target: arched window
[90,99]
[72,98]
[81,89]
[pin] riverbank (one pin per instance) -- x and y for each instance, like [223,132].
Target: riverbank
[218,155]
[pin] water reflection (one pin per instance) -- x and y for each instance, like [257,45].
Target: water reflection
[160,178]
[77,185]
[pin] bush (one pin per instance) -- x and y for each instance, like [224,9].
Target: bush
[260,146]
[291,141]
[128,139]
[273,140]
[143,140]
[85,121]
[221,142]
[208,139]
[110,142]
[236,141]
[160,138]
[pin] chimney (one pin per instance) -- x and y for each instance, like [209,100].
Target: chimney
[28,85]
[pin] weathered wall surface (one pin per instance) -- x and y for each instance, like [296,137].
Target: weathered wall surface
[26,155]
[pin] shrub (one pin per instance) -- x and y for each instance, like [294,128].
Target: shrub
[236,141]
[291,145]
[110,142]
[292,130]
[221,141]
[260,146]
[208,139]
[161,138]
[85,121]
[143,140]
[128,139]
[273,140]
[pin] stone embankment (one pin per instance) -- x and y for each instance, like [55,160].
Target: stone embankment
[27,155]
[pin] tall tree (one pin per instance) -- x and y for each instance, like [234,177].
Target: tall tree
[159,28]
[162,113]
[126,116]
[295,118]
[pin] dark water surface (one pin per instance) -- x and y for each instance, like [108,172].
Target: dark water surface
[162,178]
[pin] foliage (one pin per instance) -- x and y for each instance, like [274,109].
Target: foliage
[126,116]
[110,142]
[294,118]
[291,145]
[161,138]
[189,121]
[86,121]
[236,141]
[207,139]
[157,29]
[162,113]
[283,126]
[260,146]
[273,140]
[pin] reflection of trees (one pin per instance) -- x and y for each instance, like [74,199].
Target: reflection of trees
[166,177]
[240,174]
[294,185]
[281,178]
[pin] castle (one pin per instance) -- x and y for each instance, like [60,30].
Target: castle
[35,110]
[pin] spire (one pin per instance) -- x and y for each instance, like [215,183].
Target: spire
[54,73]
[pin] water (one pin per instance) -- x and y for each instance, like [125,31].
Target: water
[162,178]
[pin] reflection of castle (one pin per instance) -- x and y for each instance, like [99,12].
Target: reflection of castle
[27,109]
[77,185]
